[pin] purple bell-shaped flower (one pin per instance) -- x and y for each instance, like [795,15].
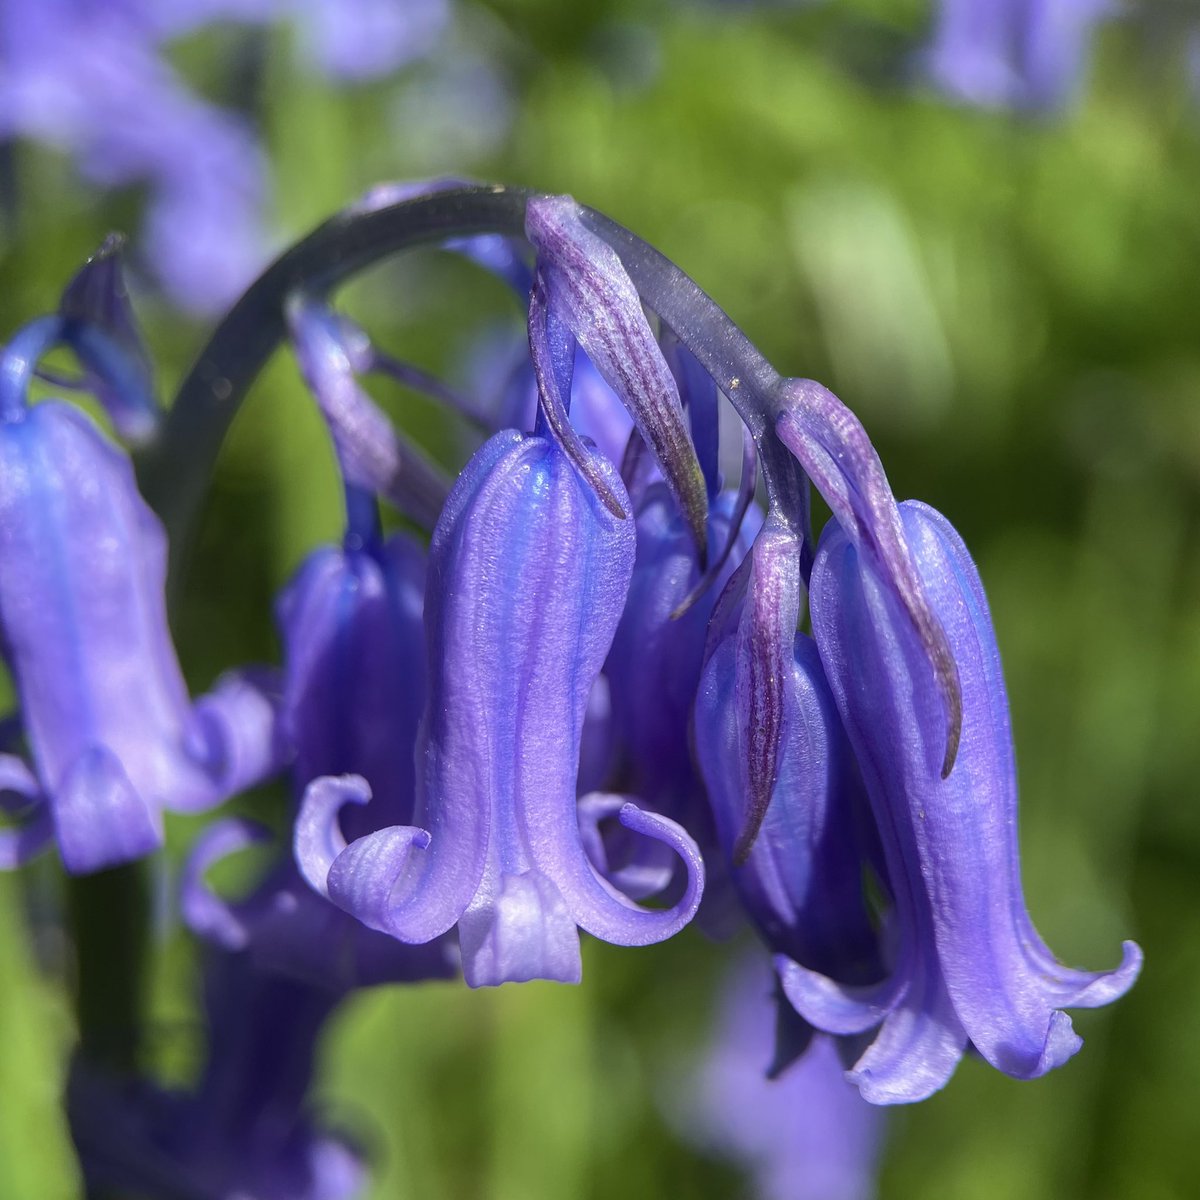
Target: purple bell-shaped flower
[528,573]
[967,965]
[113,737]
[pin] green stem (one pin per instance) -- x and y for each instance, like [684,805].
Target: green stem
[109,917]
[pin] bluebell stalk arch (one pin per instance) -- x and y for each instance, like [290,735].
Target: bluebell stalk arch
[799,429]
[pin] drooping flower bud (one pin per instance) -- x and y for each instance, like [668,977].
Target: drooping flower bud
[98,324]
[831,445]
[589,291]
[801,882]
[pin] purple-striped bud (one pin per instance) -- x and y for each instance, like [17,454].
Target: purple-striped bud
[831,445]
[969,965]
[528,574]
[786,799]
[589,291]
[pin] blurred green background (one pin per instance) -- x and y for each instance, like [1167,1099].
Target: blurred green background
[1010,303]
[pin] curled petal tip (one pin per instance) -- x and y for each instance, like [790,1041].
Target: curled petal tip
[364,875]
[318,837]
[204,912]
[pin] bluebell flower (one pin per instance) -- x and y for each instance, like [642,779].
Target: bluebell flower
[244,1129]
[801,879]
[113,737]
[803,1134]
[346,39]
[528,572]
[966,963]
[657,655]
[1013,53]
[353,691]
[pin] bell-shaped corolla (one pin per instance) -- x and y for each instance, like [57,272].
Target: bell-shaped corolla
[968,965]
[350,623]
[528,573]
[113,736]
[790,813]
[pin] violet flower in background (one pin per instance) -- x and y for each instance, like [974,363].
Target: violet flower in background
[968,964]
[1024,54]
[804,1134]
[89,80]
[94,81]
[246,1128]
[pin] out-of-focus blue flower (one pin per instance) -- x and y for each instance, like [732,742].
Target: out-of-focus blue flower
[1013,53]
[528,573]
[90,78]
[804,1134]
[244,1129]
[968,965]
[113,737]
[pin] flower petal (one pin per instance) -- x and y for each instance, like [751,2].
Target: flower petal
[100,819]
[206,913]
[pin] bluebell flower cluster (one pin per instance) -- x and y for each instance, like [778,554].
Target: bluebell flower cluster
[596,688]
